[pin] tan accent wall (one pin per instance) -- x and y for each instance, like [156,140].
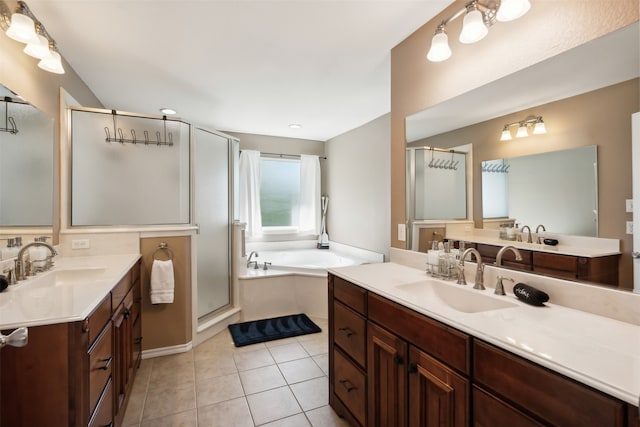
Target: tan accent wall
[166,325]
[602,118]
[550,28]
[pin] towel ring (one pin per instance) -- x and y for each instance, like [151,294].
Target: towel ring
[164,248]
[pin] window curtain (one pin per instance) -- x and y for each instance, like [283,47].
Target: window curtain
[250,192]
[309,220]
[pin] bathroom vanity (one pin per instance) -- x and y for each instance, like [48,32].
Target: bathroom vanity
[84,346]
[409,350]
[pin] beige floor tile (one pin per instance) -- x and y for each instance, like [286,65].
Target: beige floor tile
[312,394]
[253,359]
[218,389]
[135,406]
[261,379]
[272,405]
[249,348]
[172,360]
[283,341]
[221,343]
[325,417]
[215,366]
[314,336]
[182,419]
[300,370]
[298,420]
[169,400]
[322,360]
[178,372]
[226,414]
[316,346]
[288,352]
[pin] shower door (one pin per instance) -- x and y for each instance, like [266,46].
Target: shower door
[212,214]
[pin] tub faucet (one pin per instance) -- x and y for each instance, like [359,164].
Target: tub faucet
[479,284]
[529,240]
[538,232]
[22,270]
[249,262]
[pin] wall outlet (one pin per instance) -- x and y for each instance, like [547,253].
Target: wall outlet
[402,233]
[629,227]
[629,205]
[80,244]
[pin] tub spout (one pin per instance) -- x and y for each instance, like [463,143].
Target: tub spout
[249,262]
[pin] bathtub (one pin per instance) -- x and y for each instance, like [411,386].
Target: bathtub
[296,280]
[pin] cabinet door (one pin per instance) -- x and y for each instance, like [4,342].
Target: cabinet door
[490,411]
[387,378]
[123,354]
[438,396]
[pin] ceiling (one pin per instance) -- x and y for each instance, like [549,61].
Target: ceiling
[605,61]
[240,65]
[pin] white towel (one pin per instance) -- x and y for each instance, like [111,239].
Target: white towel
[162,282]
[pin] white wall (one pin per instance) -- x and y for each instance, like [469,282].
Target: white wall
[358,186]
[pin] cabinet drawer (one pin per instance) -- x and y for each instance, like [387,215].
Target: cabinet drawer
[350,332]
[103,415]
[489,411]
[100,358]
[445,343]
[98,318]
[548,261]
[351,295]
[508,258]
[120,290]
[350,386]
[549,396]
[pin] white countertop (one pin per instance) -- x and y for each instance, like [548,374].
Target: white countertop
[597,351]
[40,300]
[581,251]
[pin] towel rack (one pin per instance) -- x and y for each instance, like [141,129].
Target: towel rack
[163,247]
[118,135]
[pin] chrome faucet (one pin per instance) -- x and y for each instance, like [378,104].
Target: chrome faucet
[249,262]
[22,270]
[479,284]
[529,240]
[503,250]
[538,232]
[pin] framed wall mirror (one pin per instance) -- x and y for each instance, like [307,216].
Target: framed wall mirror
[26,164]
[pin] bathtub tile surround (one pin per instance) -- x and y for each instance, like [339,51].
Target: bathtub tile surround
[278,383]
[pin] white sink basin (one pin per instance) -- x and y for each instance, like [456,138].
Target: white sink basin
[457,297]
[69,276]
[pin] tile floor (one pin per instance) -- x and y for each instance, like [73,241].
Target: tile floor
[276,384]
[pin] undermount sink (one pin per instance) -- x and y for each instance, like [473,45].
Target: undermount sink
[454,296]
[69,276]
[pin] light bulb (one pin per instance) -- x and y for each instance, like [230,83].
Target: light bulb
[52,63]
[473,27]
[512,9]
[522,131]
[440,50]
[38,50]
[22,29]
[506,134]
[539,128]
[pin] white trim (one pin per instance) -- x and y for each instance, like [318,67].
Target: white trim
[167,351]
[214,326]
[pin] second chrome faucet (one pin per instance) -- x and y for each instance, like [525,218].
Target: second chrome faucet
[479,282]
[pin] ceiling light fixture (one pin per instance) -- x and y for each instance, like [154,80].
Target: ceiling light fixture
[295,126]
[523,128]
[23,26]
[168,111]
[478,17]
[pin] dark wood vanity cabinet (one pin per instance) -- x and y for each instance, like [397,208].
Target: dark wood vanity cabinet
[77,373]
[392,366]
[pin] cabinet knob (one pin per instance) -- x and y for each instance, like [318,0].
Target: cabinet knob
[347,385]
[107,363]
[412,368]
[127,313]
[398,360]
[17,338]
[348,332]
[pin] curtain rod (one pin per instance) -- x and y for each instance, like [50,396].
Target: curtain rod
[281,155]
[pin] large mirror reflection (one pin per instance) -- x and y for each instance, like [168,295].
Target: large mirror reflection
[26,163]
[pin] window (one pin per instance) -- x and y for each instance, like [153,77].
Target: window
[279,192]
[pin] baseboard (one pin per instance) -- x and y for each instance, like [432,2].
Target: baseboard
[166,351]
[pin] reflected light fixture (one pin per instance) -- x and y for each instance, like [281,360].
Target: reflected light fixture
[168,111]
[478,17]
[295,126]
[23,26]
[534,122]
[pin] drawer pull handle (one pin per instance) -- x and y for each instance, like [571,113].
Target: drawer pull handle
[107,363]
[348,332]
[398,360]
[413,368]
[347,385]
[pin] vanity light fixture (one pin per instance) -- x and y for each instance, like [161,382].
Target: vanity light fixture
[168,111]
[23,26]
[523,128]
[295,126]
[478,17]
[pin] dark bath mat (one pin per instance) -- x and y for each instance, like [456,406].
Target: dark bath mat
[257,331]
